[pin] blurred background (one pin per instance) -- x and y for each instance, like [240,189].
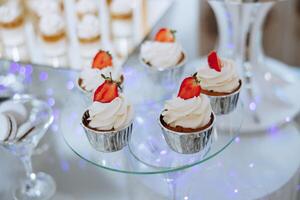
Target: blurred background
[281,33]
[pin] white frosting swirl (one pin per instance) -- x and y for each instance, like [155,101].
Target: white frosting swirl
[121,7]
[51,24]
[225,81]
[92,79]
[45,7]
[114,115]
[84,7]
[88,27]
[191,113]
[161,54]
[10,11]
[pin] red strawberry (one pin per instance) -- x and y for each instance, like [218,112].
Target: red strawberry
[214,61]
[165,35]
[190,87]
[107,92]
[102,60]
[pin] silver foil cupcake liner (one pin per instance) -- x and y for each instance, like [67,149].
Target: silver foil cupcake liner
[222,105]
[107,141]
[188,143]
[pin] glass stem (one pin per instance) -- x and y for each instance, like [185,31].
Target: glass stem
[257,53]
[171,180]
[26,160]
[172,188]
[245,18]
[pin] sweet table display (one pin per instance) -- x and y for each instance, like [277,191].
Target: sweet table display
[156,113]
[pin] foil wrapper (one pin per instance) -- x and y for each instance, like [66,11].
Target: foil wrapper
[188,143]
[107,141]
[222,105]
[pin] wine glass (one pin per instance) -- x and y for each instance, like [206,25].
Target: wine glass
[39,185]
[240,25]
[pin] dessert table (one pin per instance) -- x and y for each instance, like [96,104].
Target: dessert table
[258,165]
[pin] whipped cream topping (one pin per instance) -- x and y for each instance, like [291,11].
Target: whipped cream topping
[86,7]
[45,7]
[92,79]
[110,116]
[225,81]
[10,11]
[51,24]
[161,54]
[121,7]
[88,27]
[191,113]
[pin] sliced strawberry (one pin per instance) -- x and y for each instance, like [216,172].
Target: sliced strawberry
[102,60]
[106,92]
[214,61]
[165,35]
[190,87]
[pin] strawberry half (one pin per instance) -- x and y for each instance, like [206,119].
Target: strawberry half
[107,92]
[102,60]
[165,35]
[214,61]
[189,88]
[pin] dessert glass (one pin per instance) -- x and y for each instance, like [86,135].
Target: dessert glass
[107,141]
[36,186]
[13,32]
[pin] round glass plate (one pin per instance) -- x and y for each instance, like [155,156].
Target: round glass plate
[147,152]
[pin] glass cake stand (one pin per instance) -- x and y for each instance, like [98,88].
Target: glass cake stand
[147,152]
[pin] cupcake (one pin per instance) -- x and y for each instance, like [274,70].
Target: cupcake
[86,7]
[187,119]
[221,83]
[164,52]
[88,33]
[12,24]
[163,59]
[108,121]
[121,14]
[53,38]
[90,78]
